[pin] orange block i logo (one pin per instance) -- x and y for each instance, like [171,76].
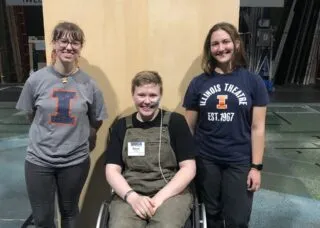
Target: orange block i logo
[222,102]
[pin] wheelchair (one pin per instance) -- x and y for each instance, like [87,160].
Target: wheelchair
[197,219]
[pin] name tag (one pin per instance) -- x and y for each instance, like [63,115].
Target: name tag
[136,149]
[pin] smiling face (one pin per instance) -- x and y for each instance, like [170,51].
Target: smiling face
[222,48]
[146,98]
[67,49]
[67,40]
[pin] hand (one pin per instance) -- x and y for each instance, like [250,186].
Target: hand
[92,139]
[157,203]
[141,205]
[254,180]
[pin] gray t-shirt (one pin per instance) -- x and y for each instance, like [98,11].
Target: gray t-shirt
[58,136]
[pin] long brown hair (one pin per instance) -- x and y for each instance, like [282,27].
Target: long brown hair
[208,63]
[66,28]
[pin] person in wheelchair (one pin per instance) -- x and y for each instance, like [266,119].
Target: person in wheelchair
[150,162]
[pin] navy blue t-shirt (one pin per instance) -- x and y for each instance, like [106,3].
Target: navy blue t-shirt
[224,104]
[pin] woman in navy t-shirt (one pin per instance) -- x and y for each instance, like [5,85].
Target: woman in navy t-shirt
[226,111]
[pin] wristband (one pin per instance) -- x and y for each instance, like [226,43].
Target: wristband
[127,194]
[258,167]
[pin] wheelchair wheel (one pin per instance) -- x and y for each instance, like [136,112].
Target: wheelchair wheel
[203,219]
[196,213]
[103,216]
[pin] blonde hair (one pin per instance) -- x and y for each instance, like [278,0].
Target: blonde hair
[144,78]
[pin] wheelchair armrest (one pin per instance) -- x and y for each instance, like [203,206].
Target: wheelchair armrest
[103,217]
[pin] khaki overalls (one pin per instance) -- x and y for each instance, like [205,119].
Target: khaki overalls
[144,176]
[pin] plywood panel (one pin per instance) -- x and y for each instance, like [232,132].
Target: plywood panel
[127,36]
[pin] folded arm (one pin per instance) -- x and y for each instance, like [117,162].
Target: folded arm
[178,183]
[142,205]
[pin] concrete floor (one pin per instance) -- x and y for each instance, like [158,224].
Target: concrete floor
[14,202]
[290,194]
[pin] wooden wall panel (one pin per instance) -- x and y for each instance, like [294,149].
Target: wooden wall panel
[127,36]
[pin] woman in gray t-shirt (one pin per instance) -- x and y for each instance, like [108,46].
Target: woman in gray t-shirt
[67,109]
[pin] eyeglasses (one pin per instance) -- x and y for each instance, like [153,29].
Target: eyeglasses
[65,42]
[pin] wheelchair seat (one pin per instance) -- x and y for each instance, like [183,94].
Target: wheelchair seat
[197,219]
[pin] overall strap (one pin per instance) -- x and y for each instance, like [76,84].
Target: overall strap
[166,118]
[129,122]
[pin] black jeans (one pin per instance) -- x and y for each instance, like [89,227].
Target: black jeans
[223,190]
[44,182]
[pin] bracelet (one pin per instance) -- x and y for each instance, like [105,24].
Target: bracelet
[127,194]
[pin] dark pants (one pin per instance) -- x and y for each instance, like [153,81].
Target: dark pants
[223,190]
[44,182]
